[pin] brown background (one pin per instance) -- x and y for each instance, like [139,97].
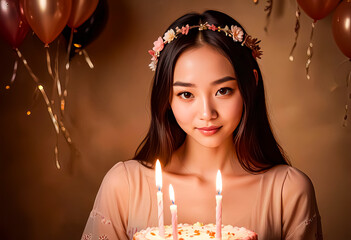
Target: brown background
[108,114]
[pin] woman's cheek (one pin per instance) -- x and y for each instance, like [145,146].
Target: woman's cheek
[230,111]
[182,112]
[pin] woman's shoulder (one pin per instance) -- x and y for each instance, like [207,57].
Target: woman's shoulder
[116,176]
[126,166]
[126,170]
[293,181]
[289,173]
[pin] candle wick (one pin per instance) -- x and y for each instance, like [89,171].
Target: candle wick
[219,192]
[159,189]
[172,202]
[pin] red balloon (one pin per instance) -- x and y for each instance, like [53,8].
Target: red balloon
[47,18]
[81,11]
[341,25]
[13,24]
[318,9]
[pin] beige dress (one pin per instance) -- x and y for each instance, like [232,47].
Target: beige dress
[277,204]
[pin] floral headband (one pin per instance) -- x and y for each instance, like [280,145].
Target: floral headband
[235,32]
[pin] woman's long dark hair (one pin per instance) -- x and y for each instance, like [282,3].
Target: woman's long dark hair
[256,147]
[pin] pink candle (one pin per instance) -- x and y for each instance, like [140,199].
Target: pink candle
[159,199]
[219,206]
[173,208]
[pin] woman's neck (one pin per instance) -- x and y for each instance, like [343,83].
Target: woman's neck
[195,159]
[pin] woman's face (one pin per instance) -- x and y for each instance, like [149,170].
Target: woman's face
[206,100]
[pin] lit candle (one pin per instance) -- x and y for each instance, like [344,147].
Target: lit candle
[173,208]
[219,206]
[158,173]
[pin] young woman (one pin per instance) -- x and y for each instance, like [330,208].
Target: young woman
[208,113]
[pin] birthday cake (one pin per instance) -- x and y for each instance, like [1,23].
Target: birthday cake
[197,231]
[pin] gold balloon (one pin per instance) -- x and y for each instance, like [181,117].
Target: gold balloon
[318,9]
[341,25]
[47,18]
[81,11]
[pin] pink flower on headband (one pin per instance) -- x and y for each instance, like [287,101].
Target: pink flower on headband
[169,36]
[185,29]
[212,27]
[158,45]
[238,33]
[153,54]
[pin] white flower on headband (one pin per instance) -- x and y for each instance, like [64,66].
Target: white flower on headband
[169,36]
[226,30]
[238,33]
[153,65]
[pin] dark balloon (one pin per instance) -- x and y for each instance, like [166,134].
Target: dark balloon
[89,30]
[318,9]
[342,27]
[13,24]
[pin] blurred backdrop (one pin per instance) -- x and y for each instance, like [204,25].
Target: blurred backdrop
[107,112]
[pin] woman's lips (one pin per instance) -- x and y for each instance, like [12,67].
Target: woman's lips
[208,131]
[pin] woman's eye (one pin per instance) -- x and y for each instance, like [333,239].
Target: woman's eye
[185,95]
[224,91]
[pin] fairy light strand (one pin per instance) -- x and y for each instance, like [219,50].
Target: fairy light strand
[268,8]
[297,29]
[57,162]
[34,77]
[34,97]
[310,52]
[59,85]
[67,67]
[14,72]
[87,58]
[48,61]
[49,107]
[57,124]
[348,98]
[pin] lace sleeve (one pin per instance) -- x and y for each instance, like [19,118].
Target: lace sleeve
[308,229]
[300,216]
[108,219]
[98,227]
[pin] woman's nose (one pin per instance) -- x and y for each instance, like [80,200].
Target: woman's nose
[207,109]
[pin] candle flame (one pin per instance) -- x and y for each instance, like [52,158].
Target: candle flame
[219,182]
[171,193]
[158,175]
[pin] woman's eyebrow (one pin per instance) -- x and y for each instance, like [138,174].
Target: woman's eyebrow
[216,82]
[183,84]
[224,79]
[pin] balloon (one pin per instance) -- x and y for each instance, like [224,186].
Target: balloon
[318,9]
[47,18]
[89,30]
[81,11]
[341,25]
[13,24]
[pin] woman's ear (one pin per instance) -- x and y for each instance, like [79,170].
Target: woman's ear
[256,76]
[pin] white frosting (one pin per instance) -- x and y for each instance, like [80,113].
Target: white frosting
[197,232]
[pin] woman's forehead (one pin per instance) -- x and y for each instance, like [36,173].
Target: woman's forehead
[202,63]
